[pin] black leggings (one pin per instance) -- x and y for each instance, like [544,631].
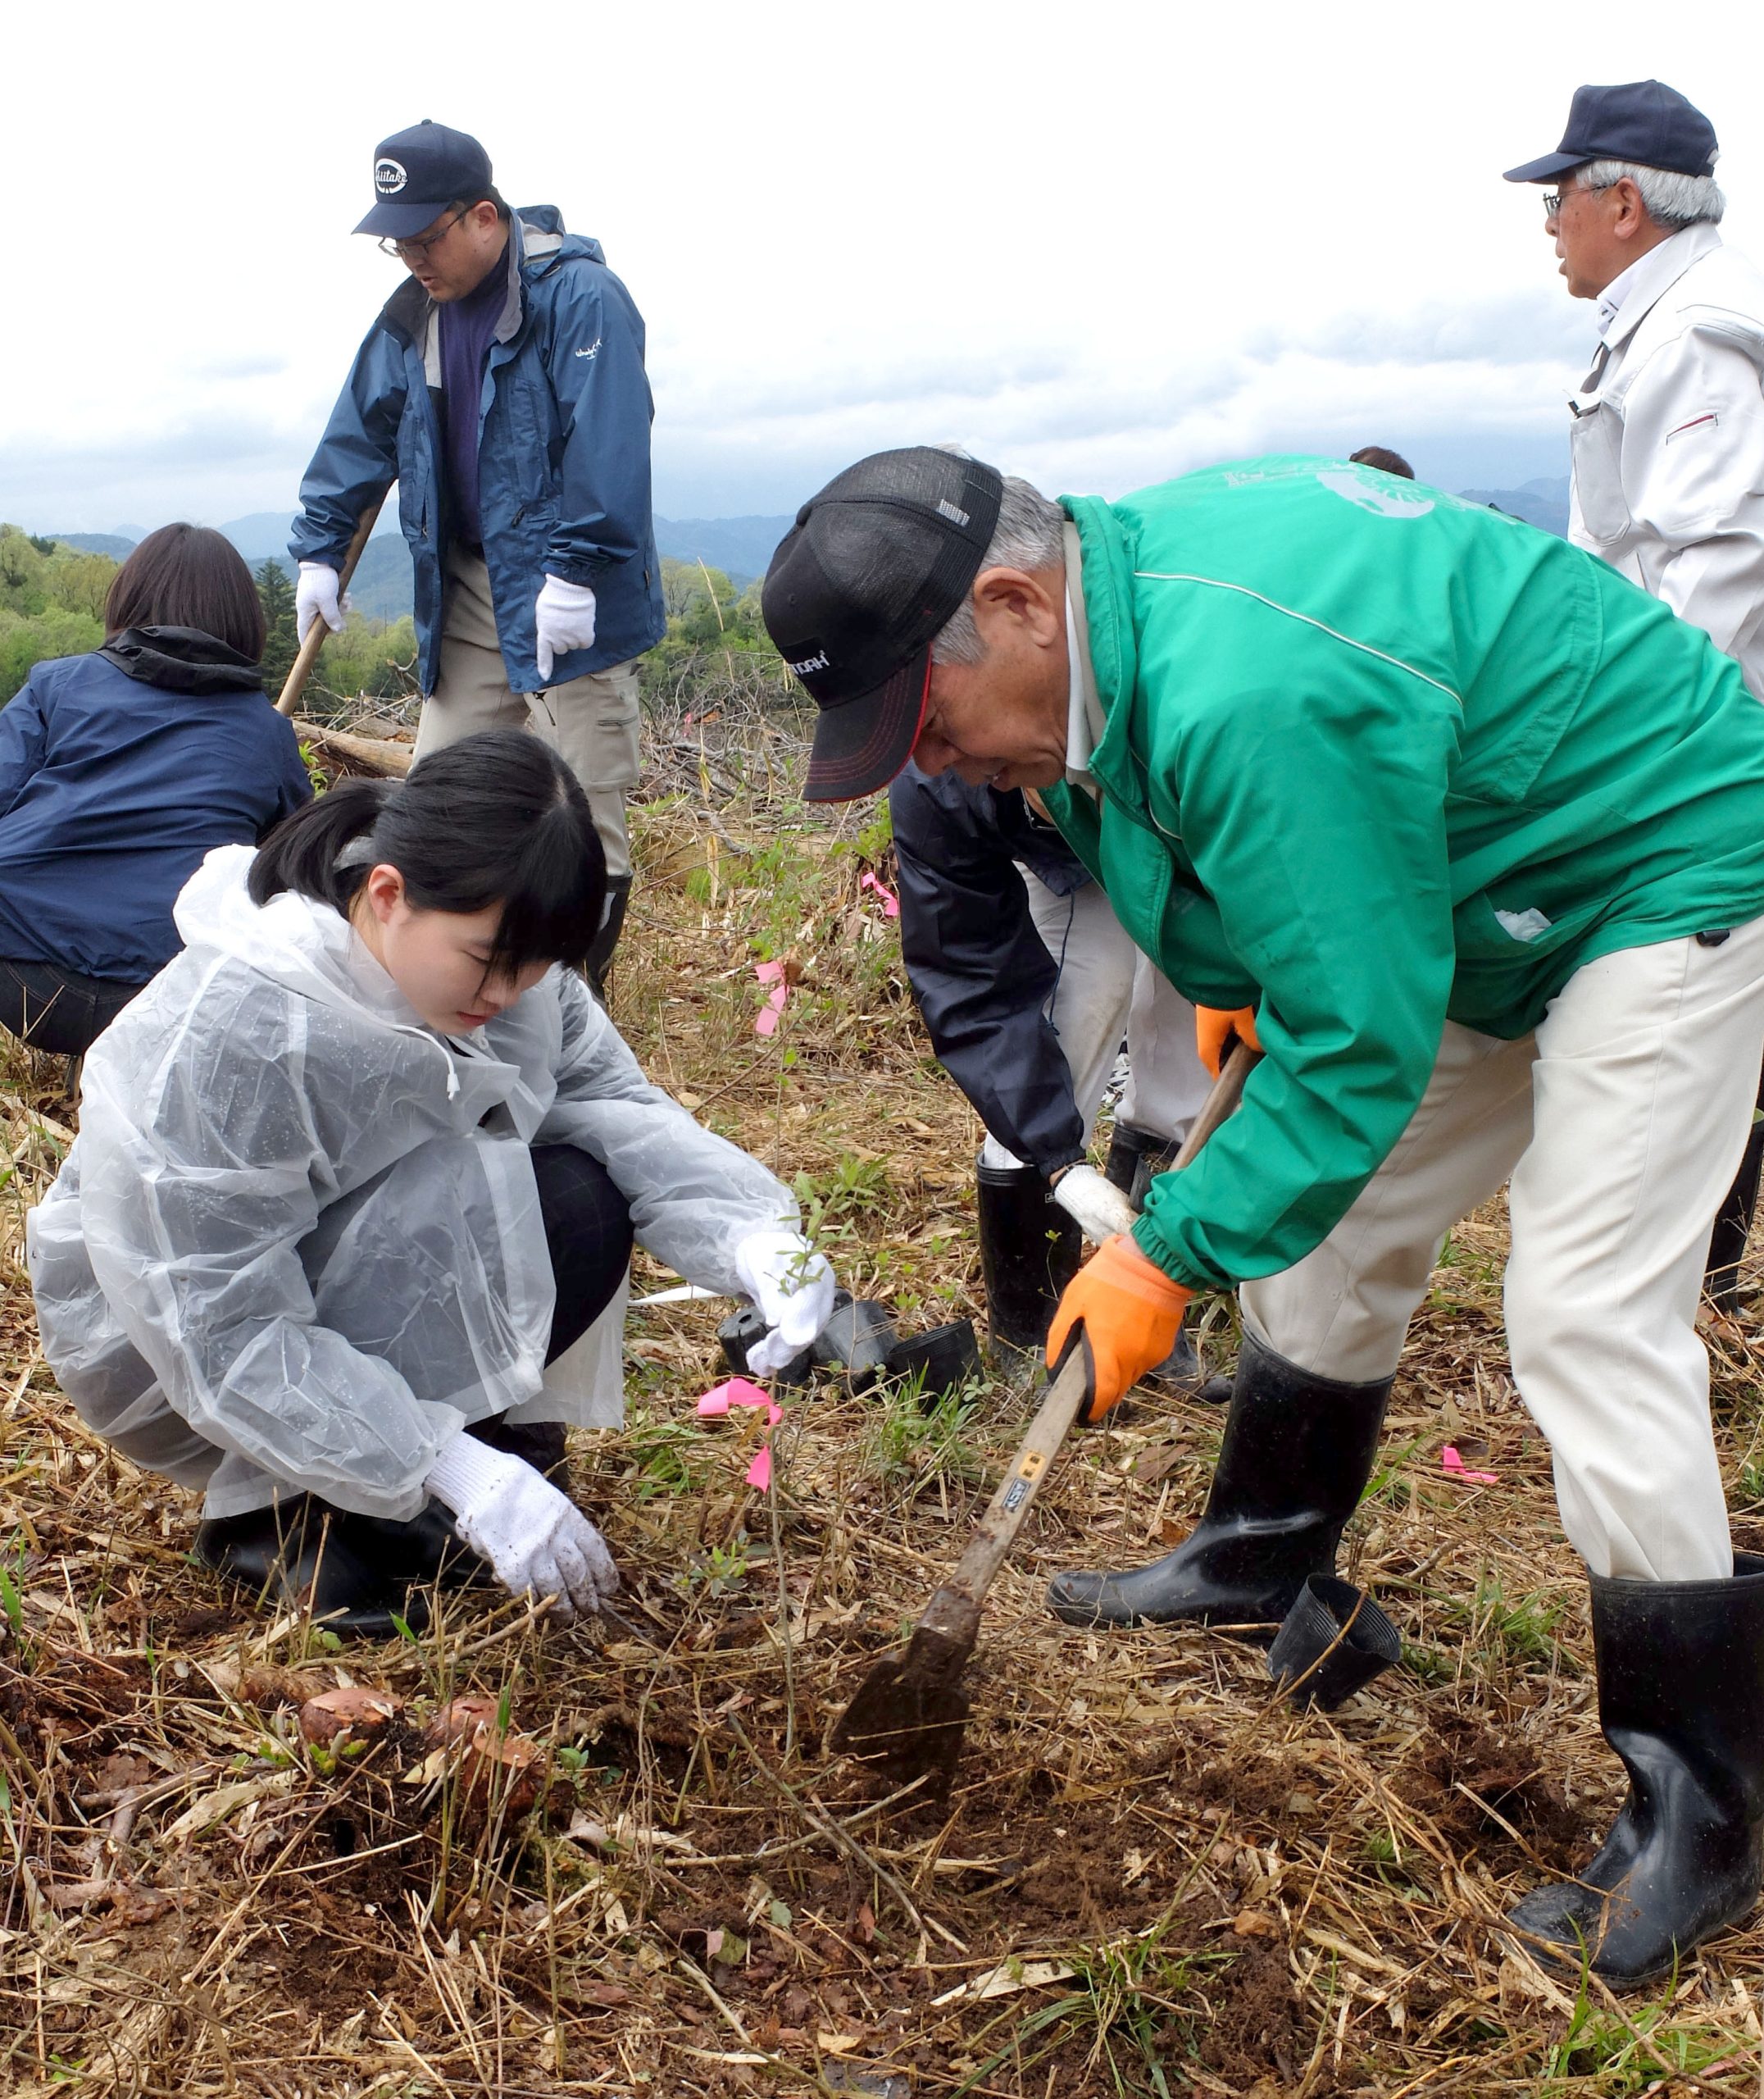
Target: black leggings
[588,1228]
[58,1010]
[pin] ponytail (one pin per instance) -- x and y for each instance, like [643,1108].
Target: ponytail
[497,818]
[301,853]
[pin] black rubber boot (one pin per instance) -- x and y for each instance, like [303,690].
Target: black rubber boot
[1681,1701]
[1029,1251]
[297,1555]
[1135,1157]
[417,1554]
[1297,1456]
[1733,1223]
[599,959]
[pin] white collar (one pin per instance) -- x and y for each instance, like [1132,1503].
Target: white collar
[1079,742]
[1628,298]
[1085,721]
[1610,299]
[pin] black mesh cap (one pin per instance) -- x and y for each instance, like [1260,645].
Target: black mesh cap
[874,567]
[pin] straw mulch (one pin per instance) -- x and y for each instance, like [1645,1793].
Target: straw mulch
[1150,1876]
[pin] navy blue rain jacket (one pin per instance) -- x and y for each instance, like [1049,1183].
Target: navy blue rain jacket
[118,772]
[563,454]
[975,961]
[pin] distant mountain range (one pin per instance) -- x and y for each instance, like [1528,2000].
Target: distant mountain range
[1540,502]
[741,547]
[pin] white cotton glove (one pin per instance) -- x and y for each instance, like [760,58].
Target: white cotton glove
[316,599]
[1099,1206]
[563,619]
[535,1537]
[794,1294]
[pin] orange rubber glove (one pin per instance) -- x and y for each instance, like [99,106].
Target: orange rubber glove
[1131,1311]
[1214,1031]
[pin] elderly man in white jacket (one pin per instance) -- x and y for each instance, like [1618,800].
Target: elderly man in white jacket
[1668,424]
[1667,427]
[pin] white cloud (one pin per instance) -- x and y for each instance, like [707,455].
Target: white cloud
[1099,247]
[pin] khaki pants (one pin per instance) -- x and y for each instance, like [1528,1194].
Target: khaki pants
[1620,1122]
[592,722]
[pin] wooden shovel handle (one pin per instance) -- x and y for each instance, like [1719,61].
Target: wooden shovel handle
[1066,1396]
[301,669]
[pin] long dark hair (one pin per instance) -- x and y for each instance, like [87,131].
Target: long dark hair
[187,575]
[495,818]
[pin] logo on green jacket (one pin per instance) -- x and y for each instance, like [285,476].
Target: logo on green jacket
[1373,491]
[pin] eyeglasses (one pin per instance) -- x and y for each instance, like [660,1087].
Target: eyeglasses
[414,251]
[1553,199]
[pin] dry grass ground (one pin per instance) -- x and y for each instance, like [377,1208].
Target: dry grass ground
[1150,1877]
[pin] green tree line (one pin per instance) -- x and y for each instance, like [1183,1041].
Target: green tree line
[714,634]
[52,603]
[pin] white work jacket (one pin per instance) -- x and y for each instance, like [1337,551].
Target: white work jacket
[1668,441]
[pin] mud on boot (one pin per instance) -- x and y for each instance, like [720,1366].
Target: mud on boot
[1297,1456]
[1681,1701]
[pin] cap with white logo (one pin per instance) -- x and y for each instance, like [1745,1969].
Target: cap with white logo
[418,173]
[873,568]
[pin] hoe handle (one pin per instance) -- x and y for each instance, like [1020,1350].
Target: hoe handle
[996,1531]
[1062,1404]
[301,669]
[1227,1091]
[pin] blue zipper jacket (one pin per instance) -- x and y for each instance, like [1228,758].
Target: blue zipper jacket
[563,454]
[118,773]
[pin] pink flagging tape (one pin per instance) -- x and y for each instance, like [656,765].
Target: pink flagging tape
[765,1021]
[1451,1462]
[890,901]
[743,1392]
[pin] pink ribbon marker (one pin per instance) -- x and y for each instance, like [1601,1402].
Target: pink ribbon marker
[1451,1462]
[765,1021]
[890,903]
[743,1392]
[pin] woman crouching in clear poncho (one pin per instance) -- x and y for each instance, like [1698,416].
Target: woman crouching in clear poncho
[355,1166]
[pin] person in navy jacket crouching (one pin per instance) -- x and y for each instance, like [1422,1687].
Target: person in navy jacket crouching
[119,771]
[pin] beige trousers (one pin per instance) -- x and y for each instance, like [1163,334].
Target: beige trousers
[1620,1122]
[592,722]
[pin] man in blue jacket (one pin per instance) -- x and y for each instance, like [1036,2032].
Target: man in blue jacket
[503,387]
[1027,984]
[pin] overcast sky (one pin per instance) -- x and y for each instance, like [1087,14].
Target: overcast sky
[1099,243]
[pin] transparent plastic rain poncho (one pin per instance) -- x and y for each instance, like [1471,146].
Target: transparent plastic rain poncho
[299,1233]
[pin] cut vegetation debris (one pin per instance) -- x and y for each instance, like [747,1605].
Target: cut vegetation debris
[1151,1876]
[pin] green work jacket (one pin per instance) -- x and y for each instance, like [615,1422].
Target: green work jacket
[1376,758]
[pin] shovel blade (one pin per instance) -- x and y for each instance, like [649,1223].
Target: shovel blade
[907,1719]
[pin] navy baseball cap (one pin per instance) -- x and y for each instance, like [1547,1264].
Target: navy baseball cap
[1644,122]
[871,572]
[418,173]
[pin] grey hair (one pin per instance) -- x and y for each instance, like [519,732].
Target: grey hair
[1671,200]
[1030,534]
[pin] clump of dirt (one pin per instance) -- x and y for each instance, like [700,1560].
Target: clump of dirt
[1472,1779]
[1254,2022]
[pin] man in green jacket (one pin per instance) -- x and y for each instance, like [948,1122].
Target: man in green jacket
[1476,830]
